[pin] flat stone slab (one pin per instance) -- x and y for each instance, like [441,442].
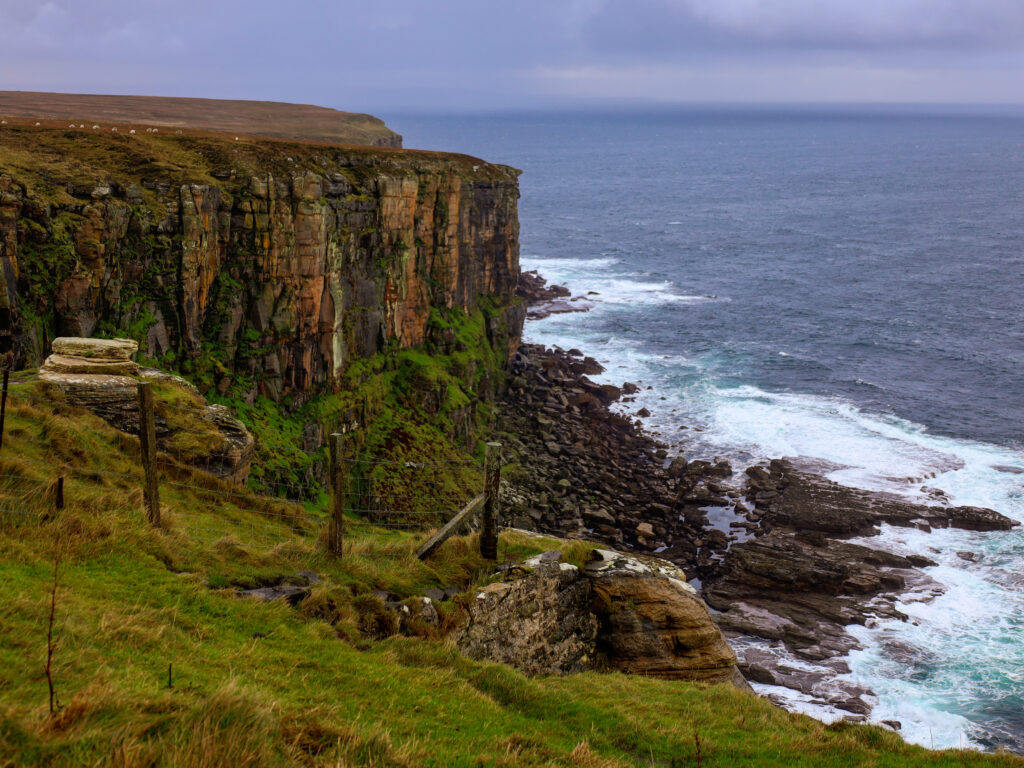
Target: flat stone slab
[59,363]
[103,349]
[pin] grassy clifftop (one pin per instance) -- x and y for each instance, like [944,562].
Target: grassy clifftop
[260,118]
[328,682]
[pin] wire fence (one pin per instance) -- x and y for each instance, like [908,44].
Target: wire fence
[198,471]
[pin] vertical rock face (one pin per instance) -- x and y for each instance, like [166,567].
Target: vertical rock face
[282,269]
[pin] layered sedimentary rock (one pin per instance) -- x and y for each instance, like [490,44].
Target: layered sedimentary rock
[280,262]
[99,374]
[637,615]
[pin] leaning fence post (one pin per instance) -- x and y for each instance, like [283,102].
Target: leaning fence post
[335,528]
[492,482]
[147,441]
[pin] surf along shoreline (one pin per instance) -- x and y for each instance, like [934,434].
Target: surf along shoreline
[788,561]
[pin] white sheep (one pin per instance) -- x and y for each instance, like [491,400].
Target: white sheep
[3,122]
[114,130]
[37,123]
[81,125]
[156,130]
[71,126]
[178,132]
[95,127]
[132,131]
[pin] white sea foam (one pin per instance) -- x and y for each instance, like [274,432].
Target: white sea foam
[613,287]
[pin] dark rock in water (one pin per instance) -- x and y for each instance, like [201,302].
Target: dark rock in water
[535,288]
[757,673]
[971,557]
[894,725]
[856,705]
[920,561]
[784,586]
[806,501]
[1010,470]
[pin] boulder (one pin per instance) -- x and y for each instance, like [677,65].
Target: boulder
[95,349]
[111,357]
[540,624]
[653,623]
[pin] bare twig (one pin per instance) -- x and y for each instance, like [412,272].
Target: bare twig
[50,642]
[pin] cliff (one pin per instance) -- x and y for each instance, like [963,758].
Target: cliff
[266,269]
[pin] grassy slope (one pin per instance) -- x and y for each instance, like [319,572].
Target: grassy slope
[263,684]
[262,118]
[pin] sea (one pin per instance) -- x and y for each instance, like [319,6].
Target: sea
[842,284]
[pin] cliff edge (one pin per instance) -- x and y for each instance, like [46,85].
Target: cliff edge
[272,119]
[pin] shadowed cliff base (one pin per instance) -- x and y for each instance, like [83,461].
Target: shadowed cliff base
[273,119]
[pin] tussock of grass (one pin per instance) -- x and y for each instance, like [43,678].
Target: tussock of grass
[331,683]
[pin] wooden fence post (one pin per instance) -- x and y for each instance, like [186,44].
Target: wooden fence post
[3,405]
[492,483]
[336,525]
[147,441]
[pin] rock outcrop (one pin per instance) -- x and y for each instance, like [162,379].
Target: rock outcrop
[653,623]
[99,374]
[635,615]
[541,623]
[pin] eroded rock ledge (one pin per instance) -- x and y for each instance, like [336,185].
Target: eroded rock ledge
[636,615]
[100,375]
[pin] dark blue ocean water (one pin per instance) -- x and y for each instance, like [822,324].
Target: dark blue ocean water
[845,285]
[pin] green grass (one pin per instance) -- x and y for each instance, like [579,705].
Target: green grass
[259,684]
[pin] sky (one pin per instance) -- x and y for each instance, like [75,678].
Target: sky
[485,55]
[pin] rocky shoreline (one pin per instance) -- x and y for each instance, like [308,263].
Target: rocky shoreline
[768,546]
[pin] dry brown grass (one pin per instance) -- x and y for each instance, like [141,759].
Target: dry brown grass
[260,118]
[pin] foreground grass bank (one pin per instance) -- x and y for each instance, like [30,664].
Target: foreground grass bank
[325,683]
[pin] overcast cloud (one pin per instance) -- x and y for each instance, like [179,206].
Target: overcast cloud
[485,54]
